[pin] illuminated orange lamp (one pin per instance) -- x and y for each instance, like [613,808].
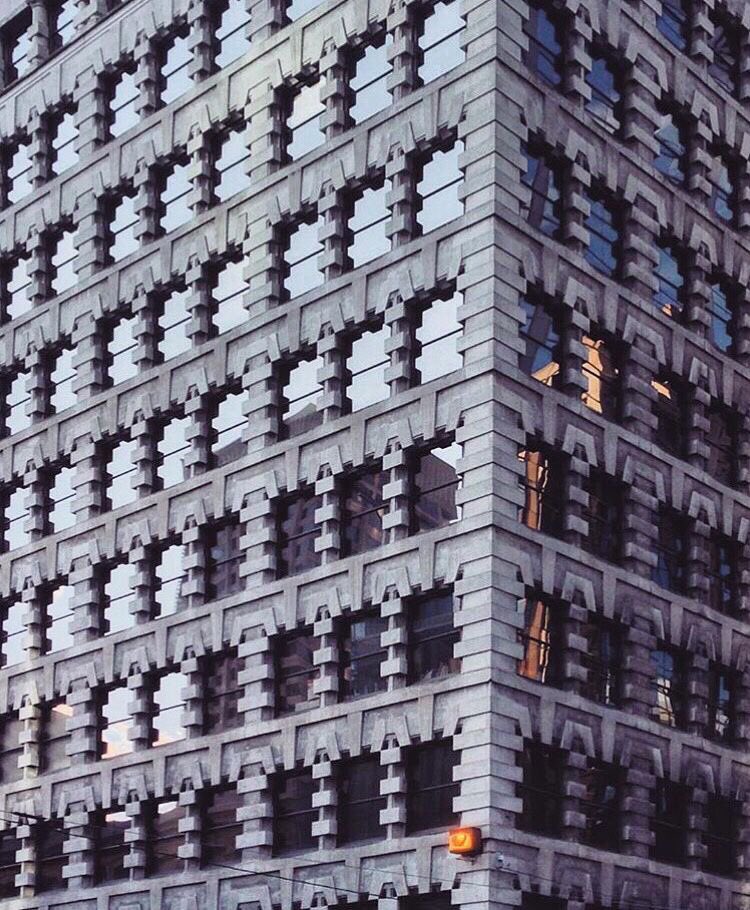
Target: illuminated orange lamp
[465,841]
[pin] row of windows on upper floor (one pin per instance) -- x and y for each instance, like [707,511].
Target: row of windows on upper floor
[551,339]
[25,165]
[547,659]
[551,783]
[425,498]
[360,786]
[676,549]
[293,660]
[672,294]
[548,29]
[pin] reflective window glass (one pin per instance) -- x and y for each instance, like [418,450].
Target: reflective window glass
[439,189]
[228,294]
[172,450]
[175,198]
[123,104]
[302,393]
[437,336]
[231,165]
[17,291]
[18,173]
[366,367]
[544,55]
[227,425]
[13,633]
[59,616]
[362,512]
[116,723]
[120,349]
[303,123]
[369,81]
[62,376]
[673,22]
[170,576]
[122,237]
[173,324]
[295,671]
[16,517]
[434,488]
[174,69]
[230,33]
[64,154]
[604,81]
[440,41]
[368,223]
[297,533]
[17,398]
[119,595]
[301,258]
[542,177]
[671,158]
[61,494]
[120,470]
[63,260]
[168,707]
[361,655]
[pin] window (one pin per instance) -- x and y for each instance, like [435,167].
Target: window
[293,814]
[295,670]
[55,736]
[62,375]
[227,426]
[169,577]
[61,496]
[59,612]
[175,60]
[176,187]
[434,485]
[167,726]
[542,177]
[721,834]
[670,278]
[430,789]
[18,170]
[722,688]
[722,441]
[232,19]
[303,120]
[440,41]
[437,339]
[63,15]
[123,101]
[116,722]
[16,517]
[541,335]
[9,868]
[366,368]
[601,375]
[64,134]
[231,162]
[111,849]
[221,692]
[50,859]
[361,654]
[368,80]
[545,51]
[603,514]
[368,223]
[16,41]
[669,685]
[174,320]
[16,287]
[602,660]
[724,180]
[723,573]
[432,637]
[673,22]
[164,837]
[224,559]
[605,81]
[359,800]
[124,218]
[363,511]
[13,633]
[17,397]
[540,639]
[671,136]
[543,488]
[118,597]
[726,46]
[438,190]
[541,789]
[12,728]
[602,224]
[63,258]
[172,450]
[302,393]
[669,407]
[297,533]
[229,288]
[301,272]
[601,804]
[121,345]
[219,826]
[671,551]
[723,306]
[119,472]
[670,822]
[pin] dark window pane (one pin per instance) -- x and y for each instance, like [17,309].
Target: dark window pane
[668,667]
[670,160]
[722,308]
[673,22]
[432,637]
[601,223]
[363,513]
[602,660]
[434,488]
[604,82]
[601,373]
[604,515]
[721,835]
[9,868]
[297,533]
[111,848]
[359,799]
[543,180]
[722,686]
[541,789]
[669,824]
[544,55]
[541,335]
[165,837]
[725,44]
[360,656]
[222,693]
[670,278]
[225,557]
[543,490]
[600,804]
[295,670]
[293,812]
[540,640]
[430,787]
[220,827]
[50,859]
[671,400]
[671,551]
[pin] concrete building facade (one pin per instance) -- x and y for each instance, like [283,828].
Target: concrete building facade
[374,454]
